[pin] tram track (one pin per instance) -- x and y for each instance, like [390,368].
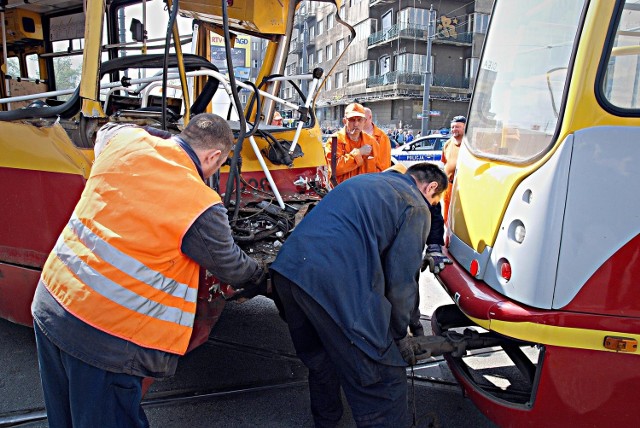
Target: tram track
[26,417]
[31,416]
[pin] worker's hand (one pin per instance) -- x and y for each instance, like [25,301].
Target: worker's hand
[250,289]
[365,150]
[434,259]
[405,346]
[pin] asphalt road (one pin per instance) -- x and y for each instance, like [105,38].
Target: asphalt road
[246,375]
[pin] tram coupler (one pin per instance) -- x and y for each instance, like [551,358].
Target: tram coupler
[450,342]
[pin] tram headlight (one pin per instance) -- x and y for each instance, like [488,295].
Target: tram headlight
[517,231]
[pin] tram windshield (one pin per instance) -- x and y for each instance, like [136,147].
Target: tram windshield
[521,81]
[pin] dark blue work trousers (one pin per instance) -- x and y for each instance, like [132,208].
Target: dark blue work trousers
[377,393]
[79,395]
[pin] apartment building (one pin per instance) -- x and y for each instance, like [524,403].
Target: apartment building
[385,61]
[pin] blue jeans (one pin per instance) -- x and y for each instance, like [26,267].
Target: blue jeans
[377,393]
[77,394]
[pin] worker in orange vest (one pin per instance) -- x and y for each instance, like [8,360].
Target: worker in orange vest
[117,298]
[355,150]
[383,158]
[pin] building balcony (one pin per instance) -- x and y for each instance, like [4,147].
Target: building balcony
[405,78]
[460,39]
[381,2]
[298,21]
[395,78]
[295,47]
[449,81]
[311,44]
[417,32]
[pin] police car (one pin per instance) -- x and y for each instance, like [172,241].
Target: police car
[423,149]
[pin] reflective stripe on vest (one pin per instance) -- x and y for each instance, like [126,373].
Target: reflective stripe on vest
[131,267]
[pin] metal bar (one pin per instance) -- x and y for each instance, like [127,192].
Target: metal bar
[267,173]
[314,84]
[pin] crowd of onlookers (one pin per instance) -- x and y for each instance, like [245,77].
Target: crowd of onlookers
[397,136]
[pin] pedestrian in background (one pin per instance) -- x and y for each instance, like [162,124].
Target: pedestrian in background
[450,152]
[383,156]
[117,298]
[348,304]
[277,119]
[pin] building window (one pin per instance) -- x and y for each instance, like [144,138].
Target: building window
[470,67]
[310,60]
[329,50]
[339,46]
[339,79]
[330,19]
[312,31]
[385,64]
[327,85]
[413,18]
[343,12]
[478,23]
[412,63]
[319,56]
[320,27]
[397,109]
[358,71]
[387,20]
[363,29]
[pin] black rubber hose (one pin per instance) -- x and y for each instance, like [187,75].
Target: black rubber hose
[165,63]
[233,169]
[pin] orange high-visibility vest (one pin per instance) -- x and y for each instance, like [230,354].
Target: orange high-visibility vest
[349,165]
[117,264]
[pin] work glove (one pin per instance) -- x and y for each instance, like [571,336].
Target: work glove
[434,259]
[405,346]
[249,289]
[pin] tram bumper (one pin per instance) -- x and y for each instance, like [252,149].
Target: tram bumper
[535,376]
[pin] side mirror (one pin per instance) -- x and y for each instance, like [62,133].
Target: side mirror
[137,30]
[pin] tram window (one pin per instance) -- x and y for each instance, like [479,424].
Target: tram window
[33,67]
[67,67]
[621,83]
[13,66]
[521,80]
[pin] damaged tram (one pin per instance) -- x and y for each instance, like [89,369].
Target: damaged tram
[69,67]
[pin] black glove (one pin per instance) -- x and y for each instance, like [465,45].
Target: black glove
[434,259]
[406,350]
[249,289]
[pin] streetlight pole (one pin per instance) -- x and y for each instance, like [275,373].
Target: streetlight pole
[427,77]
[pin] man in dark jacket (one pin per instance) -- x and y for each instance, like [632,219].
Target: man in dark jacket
[348,300]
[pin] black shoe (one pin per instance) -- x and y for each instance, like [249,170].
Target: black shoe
[417,329]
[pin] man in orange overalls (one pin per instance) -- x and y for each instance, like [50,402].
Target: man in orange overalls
[356,150]
[383,158]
